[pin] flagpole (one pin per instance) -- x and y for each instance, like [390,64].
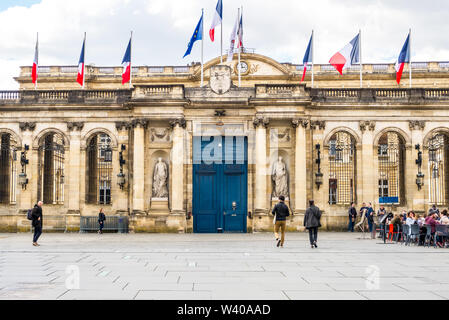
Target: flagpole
[130,61]
[360,58]
[221,40]
[202,47]
[410,51]
[84,59]
[37,62]
[240,47]
[313,49]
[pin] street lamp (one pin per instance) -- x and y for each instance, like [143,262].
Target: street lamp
[121,180]
[318,175]
[420,175]
[23,180]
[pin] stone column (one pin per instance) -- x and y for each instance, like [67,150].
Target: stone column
[261,195]
[139,126]
[300,165]
[72,180]
[26,196]
[319,195]
[416,198]
[177,179]
[122,197]
[369,171]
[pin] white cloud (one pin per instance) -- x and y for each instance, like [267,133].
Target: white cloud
[279,29]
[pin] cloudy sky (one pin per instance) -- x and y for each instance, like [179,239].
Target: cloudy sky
[279,29]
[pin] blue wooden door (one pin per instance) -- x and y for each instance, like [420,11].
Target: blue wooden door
[220,184]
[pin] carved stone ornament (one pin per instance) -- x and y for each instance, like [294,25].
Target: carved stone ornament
[27,126]
[75,126]
[259,120]
[143,123]
[321,125]
[417,125]
[280,136]
[300,122]
[121,125]
[364,125]
[220,79]
[181,122]
[160,134]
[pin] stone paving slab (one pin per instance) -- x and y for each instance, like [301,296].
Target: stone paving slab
[225,266]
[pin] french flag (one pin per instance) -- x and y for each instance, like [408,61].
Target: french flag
[126,64]
[347,56]
[34,70]
[240,31]
[80,77]
[404,57]
[307,58]
[218,18]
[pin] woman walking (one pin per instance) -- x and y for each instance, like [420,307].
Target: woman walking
[312,222]
[101,220]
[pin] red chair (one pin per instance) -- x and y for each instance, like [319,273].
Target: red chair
[391,232]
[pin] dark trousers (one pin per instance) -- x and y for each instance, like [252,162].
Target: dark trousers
[37,233]
[351,225]
[101,225]
[313,235]
[370,226]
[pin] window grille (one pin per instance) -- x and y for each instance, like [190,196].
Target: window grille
[99,167]
[8,171]
[342,159]
[51,169]
[438,173]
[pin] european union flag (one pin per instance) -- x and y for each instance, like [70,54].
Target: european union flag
[197,35]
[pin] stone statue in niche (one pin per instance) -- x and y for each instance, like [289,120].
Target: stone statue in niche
[160,180]
[279,177]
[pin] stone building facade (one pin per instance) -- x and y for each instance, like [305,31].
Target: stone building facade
[334,143]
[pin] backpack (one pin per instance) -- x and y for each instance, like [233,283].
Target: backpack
[30,214]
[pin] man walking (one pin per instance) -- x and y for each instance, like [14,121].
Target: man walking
[352,217]
[312,222]
[370,217]
[281,212]
[37,222]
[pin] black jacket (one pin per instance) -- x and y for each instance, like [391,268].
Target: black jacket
[101,217]
[281,211]
[36,214]
[352,213]
[312,217]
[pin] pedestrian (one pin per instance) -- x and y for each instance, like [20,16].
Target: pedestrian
[312,222]
[280,212]
[434,209]
[352,216]
[370,217]
[37,222]
[361,211]
[101,220]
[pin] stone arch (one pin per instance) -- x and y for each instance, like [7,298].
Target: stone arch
[432,133]
[406,139]
[246,56]
[14,137]
[39,137]
[92,133]
[349,131]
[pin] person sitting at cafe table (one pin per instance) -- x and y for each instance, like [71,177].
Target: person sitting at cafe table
[444,217]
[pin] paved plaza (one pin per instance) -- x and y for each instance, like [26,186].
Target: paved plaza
[218,267]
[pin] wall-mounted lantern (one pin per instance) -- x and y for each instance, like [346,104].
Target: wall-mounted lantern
[23,179]
[121,180]
[318,175]
[420,175]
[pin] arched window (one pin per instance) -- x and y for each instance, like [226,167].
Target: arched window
[438,166]
[342,167]
[391,155]
[8,173]
[51,169]
[99,169]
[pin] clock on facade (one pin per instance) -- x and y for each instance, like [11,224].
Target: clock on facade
[243,67]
